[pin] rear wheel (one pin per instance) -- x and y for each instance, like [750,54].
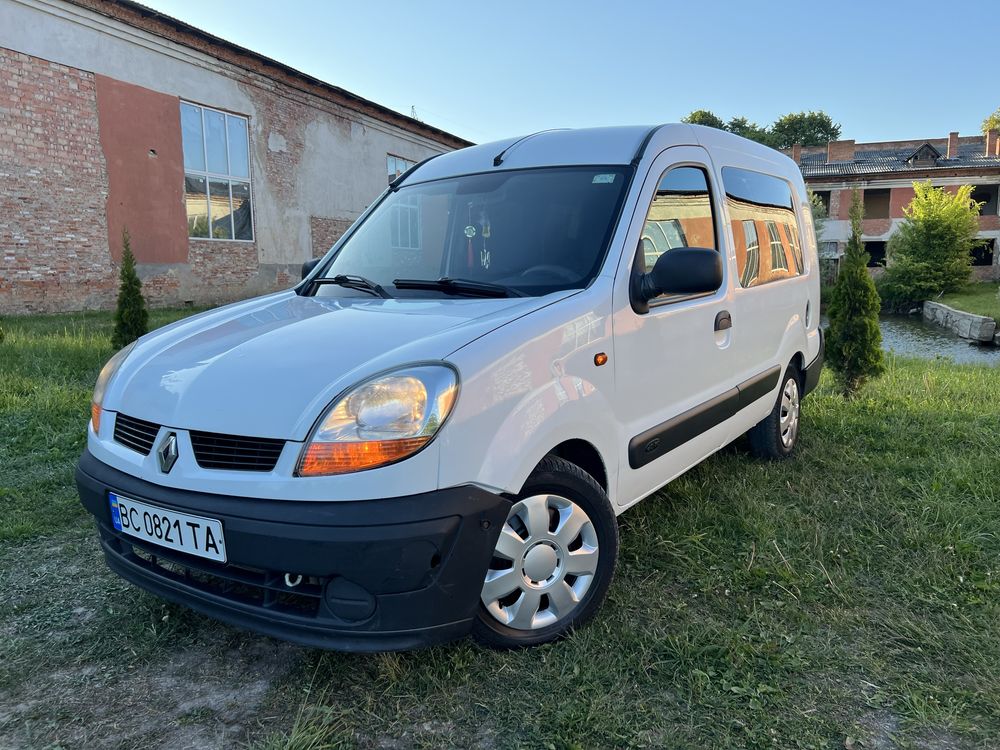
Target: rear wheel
[553,562]
[777,435]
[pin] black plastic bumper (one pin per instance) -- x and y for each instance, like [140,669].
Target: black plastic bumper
[814,368]
[376,575]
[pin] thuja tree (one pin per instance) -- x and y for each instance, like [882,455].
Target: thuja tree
[853,339]
[131,315]
[930,252]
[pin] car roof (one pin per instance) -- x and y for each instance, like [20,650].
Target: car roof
[619,145]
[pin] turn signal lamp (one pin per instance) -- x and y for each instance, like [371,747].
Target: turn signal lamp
[107,372]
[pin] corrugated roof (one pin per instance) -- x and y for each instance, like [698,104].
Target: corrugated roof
[886,159]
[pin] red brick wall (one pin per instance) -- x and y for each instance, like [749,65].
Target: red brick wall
[53,231]
[841,207]
[875,227]
[141,140]
[325,232]
[899,198]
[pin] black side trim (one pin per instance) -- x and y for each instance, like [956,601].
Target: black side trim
[814,368]
[758,386]
[659,440]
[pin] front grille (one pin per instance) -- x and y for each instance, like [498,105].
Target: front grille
[237,583]
[213,451]
[136,434]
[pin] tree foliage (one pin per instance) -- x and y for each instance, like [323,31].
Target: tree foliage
[853,339]
[704,117]
[992,122]
[131,315]
[805,128]
[930,252]
[819,214]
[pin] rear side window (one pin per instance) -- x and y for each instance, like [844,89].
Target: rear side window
[762,213]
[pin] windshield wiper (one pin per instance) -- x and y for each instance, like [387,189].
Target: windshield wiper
[355,282]
[460,286]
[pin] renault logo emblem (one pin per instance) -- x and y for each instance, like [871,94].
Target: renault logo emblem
[166,454]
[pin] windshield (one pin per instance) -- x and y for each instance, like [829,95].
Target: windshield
[530,231]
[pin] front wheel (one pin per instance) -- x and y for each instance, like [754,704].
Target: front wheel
[553,562]
[777,435]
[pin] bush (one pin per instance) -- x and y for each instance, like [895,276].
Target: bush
[853,339]
[131,315]
[930,252]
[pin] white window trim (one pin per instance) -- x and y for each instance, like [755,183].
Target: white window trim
[219,176]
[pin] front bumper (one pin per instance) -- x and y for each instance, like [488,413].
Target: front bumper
[377,575]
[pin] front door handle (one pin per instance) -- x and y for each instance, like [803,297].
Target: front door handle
[723,321]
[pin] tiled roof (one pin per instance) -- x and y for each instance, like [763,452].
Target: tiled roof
[885,158]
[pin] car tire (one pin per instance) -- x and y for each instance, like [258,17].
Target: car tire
[556,563]
[777,435]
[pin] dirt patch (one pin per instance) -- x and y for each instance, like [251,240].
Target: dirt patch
[122,669]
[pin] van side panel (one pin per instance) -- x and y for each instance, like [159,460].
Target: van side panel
[543,390]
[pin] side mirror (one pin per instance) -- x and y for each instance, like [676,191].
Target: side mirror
[309,265]
[685,270]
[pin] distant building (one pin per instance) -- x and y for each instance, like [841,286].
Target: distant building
[884,172]
[228,169]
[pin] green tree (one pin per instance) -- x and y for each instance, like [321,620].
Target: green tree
[992,122]
[819,214]
[930,252]
[853,339]
[743,127]
[704,117]
[131,315]
[806,128]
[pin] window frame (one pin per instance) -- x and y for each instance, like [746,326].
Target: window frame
[229,178]
[409,162]
[774,237]
[720,246]
[747,247]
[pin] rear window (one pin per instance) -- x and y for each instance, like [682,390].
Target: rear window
[762,210]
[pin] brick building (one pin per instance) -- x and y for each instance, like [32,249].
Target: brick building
[227,168]
[885,172]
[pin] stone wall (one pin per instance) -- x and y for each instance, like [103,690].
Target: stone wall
[968,326]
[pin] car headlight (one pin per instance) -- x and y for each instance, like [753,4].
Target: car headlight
[380,421]
[107,372]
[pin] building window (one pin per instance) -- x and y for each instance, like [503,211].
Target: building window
[778,260]
[404,226]
[396,165]
[824,198]
[751,263]
[987,195]
[876,204]
[216,174]
[794,247]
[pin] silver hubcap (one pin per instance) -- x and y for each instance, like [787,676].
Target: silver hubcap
[788,419]
[543,564]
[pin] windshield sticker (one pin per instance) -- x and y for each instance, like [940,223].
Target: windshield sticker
[603,179]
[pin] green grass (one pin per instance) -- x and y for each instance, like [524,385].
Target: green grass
[980,299]
[848,597]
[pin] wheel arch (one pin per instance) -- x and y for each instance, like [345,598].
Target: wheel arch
[585,455]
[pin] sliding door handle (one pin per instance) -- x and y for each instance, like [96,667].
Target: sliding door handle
[723,321]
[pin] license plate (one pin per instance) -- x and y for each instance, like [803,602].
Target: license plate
[194,535]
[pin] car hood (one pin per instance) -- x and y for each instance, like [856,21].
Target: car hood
[267,367]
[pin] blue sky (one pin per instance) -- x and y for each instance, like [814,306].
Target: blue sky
[883,69]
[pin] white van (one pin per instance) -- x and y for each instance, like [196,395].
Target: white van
[434,432]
